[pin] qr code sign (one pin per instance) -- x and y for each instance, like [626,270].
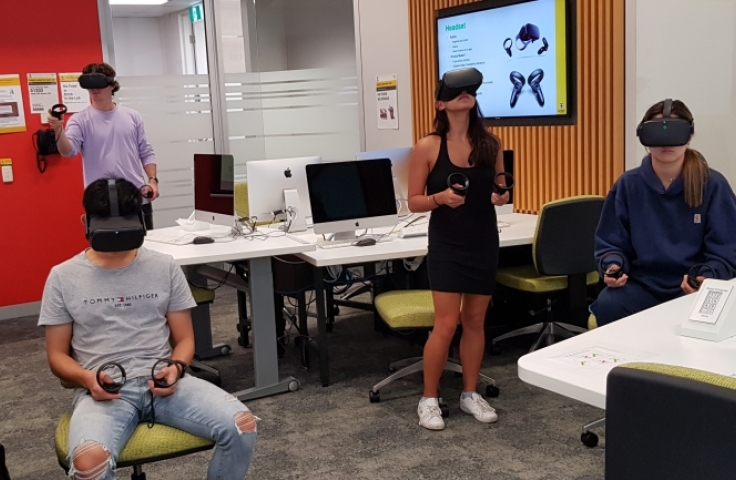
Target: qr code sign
[710,302]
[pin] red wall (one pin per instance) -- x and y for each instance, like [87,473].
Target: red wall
[39,213]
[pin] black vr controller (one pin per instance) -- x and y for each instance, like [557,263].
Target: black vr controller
[508,184]
[58,111]
[115,233]
[518,80]
[95,81]
[667,131]
[456,82]
[116,374]
[459,183]
[607,271]
[695,272]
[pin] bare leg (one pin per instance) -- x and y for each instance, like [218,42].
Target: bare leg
[472,342]
[446,313]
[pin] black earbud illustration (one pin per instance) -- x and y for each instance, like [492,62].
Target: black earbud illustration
[518,80]
[507,44]
[544,48]
[534,80]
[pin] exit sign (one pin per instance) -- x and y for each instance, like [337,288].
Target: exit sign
[196,14]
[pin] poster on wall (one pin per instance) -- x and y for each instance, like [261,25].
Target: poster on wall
[387,102]
[12,115]
[42,92]
[73,95]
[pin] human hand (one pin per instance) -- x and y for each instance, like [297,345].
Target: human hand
[687,288]
[612,281]
[98,393]
[55,123]
[154,188]
[499,200]
[171,375]
[450,198]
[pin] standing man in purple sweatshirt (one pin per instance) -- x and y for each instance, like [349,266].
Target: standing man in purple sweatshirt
[111,139]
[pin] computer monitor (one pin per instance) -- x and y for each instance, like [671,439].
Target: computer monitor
[213,189]
[348,196]
[277,185]
[399,165]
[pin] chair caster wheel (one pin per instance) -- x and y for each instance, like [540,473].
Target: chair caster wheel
[293,385]
[225,350]
[589,439]
[374,397]
[492,391]
[495,350]
[445,409]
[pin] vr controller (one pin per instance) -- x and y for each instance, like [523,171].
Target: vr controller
[695,272]
[459,183]
[607,272]
[58,111]
[115,233]
[95,81]
[518,80]
[455,82]
[667,131]
[499,188]
[117,378]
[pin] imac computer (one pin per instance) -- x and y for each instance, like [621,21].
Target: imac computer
[278,186]
[349,196]
[399,169]
[214,201]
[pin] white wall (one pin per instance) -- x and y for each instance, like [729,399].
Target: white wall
[685,50]
[382,27]
[147,45]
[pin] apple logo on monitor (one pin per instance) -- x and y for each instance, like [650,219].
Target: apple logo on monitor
[287,173]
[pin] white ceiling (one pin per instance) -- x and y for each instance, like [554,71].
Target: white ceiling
[171,6]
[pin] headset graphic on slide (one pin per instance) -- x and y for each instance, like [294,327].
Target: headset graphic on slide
[529,33]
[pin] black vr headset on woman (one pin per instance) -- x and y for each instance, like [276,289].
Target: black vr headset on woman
[667,131]
[455,82]
[116,233]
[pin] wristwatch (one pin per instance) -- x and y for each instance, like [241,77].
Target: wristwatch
[153,178]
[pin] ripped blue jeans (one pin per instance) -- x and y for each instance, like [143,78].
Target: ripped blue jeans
[197,407]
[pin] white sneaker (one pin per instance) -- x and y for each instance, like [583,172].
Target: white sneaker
[479,408]
[430,415]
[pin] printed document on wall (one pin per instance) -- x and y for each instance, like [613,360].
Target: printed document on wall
[73,95]
[387,102]
[42,92]
[12,114]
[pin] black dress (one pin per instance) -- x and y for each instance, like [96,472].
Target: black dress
[463,242]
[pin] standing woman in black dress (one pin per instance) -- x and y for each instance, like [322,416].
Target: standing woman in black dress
[463,236]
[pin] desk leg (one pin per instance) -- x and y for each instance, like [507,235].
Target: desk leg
[319,298]
[203,347]
[264,335]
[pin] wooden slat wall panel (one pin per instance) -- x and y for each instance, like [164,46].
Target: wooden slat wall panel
[551,161]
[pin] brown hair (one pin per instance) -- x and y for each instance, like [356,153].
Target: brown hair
[695,170]
[485,145]
[105,69]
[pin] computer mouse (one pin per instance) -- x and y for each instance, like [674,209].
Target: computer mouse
[203,240]
[365,242]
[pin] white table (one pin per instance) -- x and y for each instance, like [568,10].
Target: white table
[651,335]
[258,254]
[520,231]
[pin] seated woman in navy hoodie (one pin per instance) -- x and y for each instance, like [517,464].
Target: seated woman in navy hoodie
[660,220]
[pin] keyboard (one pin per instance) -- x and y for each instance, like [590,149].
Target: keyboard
[349,242]
[409,231]
[299,239]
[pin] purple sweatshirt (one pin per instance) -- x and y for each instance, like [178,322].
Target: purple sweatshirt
[111,143]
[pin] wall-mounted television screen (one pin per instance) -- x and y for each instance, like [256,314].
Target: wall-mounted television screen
[525,51]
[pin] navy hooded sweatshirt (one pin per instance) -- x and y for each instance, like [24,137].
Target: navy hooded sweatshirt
[660,237]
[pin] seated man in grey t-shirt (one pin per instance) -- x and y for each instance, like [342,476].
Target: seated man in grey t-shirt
[130,307]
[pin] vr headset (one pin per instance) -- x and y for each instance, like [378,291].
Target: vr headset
[667,131]
[455,82]
[95,81]
[528,33]
[115,233]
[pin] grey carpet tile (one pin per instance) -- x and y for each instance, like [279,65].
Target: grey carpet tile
[327,433]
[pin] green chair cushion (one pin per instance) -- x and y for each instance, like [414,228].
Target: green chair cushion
[592,322]
[145,446]
[684,372]
[202,295]
[406,308]
[527,279]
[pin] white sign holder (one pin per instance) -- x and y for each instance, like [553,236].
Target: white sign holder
[713,316]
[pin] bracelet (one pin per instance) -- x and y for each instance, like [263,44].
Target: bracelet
[435,201]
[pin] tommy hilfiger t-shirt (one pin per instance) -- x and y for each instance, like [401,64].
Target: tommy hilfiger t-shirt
[118,314]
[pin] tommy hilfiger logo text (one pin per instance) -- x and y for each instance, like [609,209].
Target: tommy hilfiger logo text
[126,301]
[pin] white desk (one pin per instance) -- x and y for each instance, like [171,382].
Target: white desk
[520,231]
[652,335]
[258,254]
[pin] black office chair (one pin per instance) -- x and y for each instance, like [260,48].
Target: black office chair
[669,422]
[564,260]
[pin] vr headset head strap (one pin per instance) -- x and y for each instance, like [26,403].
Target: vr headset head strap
[667,109]
[113,193]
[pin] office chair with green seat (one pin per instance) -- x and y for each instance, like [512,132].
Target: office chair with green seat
[669,422]
[406,310]
[147,445]
[564,260]
[203,347]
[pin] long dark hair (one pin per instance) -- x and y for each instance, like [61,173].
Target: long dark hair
[695,170]
[485,144]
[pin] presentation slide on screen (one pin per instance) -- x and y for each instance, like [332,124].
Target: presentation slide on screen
[520,49]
